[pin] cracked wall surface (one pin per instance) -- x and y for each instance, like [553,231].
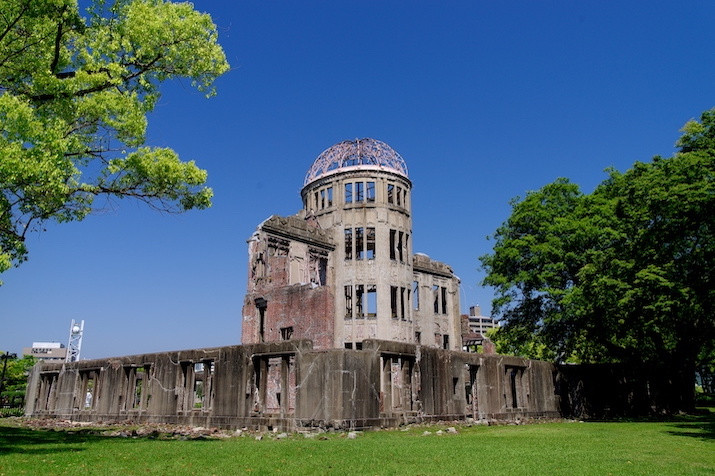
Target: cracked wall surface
[344,326]
[343,269]
[291,385]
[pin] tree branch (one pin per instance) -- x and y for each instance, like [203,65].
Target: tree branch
[14,22]
[58,42]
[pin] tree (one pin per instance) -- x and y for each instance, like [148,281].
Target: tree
[624,274]
[15,382]
[74,95]
[706,369]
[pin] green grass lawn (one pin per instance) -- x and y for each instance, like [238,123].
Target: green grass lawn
[681,446]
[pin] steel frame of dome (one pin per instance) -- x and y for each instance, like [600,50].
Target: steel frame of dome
[354,154]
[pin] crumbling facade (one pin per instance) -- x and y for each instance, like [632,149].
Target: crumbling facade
[343,327]
[291,386]
[342,270]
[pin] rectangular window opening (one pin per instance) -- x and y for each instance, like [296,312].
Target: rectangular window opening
[372,302]
[471,386]
[329,194]
[370,191]
[348,302]
[444,300]
[445,341]
[198,386]
[262,323]
[359,191]
[137,393]
[359,301]
[399,196]
[392,244]
[207,400]
[402,304]
[139,388]
[286,333]
[89,383]
[407,304]
[416,295]
[514,381]
[348,193]
[359,243]
[323,271]
[435,294]
[370,248]
[399,246]
[348,243]
[390,193]
[393,301]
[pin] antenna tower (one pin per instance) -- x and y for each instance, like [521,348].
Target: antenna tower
[75,341]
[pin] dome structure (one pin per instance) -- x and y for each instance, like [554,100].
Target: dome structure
[355,155]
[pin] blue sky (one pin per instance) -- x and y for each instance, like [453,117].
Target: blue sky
[484,100]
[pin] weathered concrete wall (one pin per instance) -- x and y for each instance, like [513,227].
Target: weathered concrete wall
[437,317]
[291,385]
[353,236]
[339,389]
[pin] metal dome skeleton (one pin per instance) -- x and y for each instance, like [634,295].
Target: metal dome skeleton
[356,154]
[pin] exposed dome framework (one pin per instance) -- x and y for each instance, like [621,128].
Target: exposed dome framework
[356,153]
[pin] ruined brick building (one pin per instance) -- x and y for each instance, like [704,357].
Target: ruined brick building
[343,327]
[342,270]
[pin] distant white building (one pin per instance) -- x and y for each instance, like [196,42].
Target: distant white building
[47,351]
[474,330]
[480,324]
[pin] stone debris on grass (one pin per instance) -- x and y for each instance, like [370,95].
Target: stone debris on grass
[184,432]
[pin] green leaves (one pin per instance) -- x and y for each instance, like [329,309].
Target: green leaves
[699,136]
[151,174]
[622,274]
[15,382]
[74,95]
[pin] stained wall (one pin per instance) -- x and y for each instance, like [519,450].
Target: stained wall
[291,385]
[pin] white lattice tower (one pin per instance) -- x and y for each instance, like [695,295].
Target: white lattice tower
[74,344]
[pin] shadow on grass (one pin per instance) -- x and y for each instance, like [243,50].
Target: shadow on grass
[29,441]
[43,441]
[701,426]
[23,440]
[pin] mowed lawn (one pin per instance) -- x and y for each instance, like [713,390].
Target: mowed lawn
[685,445]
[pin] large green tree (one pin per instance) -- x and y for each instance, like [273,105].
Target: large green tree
[15,382]
[74,95]
[624,274]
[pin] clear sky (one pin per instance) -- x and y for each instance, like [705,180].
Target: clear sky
[485,100]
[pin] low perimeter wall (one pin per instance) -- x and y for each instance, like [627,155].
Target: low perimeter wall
[290,386]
